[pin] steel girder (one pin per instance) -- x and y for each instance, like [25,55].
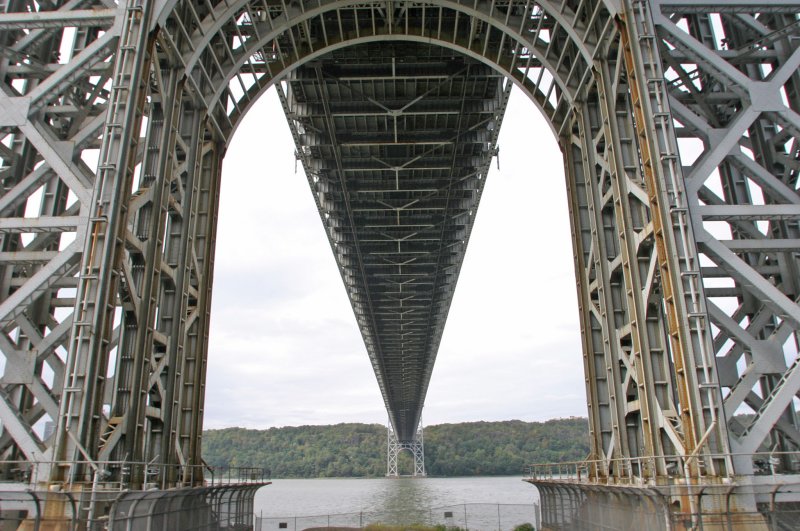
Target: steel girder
[396,140]
[111,160]
[680,81]
[653,397]
[54,103]
[732,78]
[121,374]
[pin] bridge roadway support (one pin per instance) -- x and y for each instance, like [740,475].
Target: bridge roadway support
[679,122]
[415,447]
[216,508]
[573,505]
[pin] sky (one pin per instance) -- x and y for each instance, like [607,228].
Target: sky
[285,349]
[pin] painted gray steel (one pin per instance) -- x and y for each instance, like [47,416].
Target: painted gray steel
[679,126]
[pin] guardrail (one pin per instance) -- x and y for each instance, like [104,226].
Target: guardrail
[119,475]
[198,509]
[574,506]
[651,470]
[465,516]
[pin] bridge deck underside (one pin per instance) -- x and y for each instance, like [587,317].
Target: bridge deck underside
[396,141]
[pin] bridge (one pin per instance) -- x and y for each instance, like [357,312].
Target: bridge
[396,140]
[678,121]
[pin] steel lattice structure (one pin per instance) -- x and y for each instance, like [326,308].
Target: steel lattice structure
[679,125]
[396,139]
[415,446]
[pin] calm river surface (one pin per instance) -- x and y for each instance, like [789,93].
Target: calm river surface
[481,503]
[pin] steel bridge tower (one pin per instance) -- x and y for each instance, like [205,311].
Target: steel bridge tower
[415,447]
[679,126]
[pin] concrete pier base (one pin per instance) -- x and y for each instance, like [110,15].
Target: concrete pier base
[573,505]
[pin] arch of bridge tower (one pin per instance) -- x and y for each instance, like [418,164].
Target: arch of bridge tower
[583,93]
[200,50]
[531,90]
[549,61]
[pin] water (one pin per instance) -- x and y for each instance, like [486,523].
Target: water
[476,503]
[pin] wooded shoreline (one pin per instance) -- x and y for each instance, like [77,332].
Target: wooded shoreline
[359,450]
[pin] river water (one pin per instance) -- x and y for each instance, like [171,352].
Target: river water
[474,503]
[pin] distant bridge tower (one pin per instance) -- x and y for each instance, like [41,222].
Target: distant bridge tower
[415,446]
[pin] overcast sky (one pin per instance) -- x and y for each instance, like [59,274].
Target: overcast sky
[285,349]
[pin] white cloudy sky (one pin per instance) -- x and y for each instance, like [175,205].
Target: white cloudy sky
[285,349]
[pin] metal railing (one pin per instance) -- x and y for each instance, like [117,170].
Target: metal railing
[200,508]
[27,508]
[120,475]
[643,470]
[467,516]
[206,508]
[580,506]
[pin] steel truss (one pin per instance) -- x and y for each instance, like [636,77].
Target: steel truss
[679,126]
[415,447]
[396,139]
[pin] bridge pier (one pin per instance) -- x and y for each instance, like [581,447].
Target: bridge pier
[415,446]
[226,506]
[748,504]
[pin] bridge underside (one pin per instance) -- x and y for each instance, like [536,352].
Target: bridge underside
[396,140]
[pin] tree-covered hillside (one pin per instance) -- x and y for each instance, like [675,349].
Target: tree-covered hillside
[359,450]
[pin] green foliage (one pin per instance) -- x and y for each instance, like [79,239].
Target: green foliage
[525,527]
[502,448]
[359,450]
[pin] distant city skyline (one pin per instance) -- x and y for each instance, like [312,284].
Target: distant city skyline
[285,348]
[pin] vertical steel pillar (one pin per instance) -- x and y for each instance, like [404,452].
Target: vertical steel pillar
[655,405]
[697,389]
[80,418]
[741,198]
[131,249]
[392,451]
[53,108]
